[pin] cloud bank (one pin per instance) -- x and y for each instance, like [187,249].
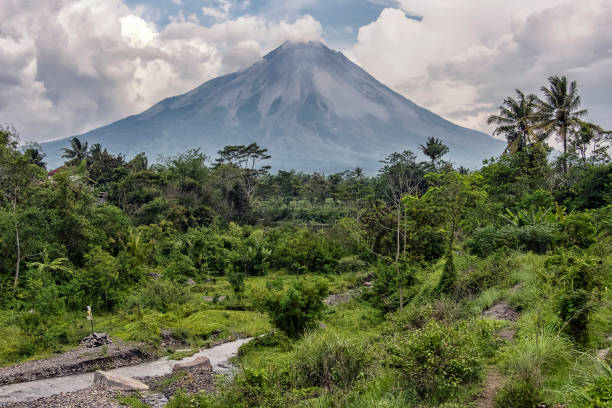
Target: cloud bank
[67,66]
[464,57]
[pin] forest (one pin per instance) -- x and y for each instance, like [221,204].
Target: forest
[361,290]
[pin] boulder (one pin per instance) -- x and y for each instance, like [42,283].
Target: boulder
[190,282]
[155,275]
[200,362]
[96,340]
[118,382]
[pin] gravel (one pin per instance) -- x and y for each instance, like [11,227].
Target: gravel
[79,360]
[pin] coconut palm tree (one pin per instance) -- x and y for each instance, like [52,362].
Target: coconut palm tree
[558,109]
[77,152]
[36,156]
[434,149]
[515,121]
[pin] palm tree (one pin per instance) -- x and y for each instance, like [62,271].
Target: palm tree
[36,156]
[77,152]
[50,266]
[434,149]
[558,110]
[515,121]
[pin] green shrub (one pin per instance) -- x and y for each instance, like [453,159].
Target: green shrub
[578,230]
[438,360]
[157,295]
[449,275]
[538,238]
[325,359]
[573,309]
[236,280]
[297,307]
[596,394]
[275,338]
[350,264]
[518,394]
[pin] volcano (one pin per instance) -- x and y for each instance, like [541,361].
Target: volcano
[312,107]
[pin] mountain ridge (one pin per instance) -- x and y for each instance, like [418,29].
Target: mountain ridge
[312,107]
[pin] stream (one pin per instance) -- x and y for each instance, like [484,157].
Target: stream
[32,390]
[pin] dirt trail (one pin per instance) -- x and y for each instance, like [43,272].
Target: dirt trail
[494,380]
[501,310]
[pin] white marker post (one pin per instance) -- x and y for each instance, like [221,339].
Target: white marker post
[90,318]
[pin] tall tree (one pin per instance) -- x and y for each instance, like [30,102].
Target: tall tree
[246,158]
[434,149]
[402,175]
[515,121]
[558,110]
[77,152]
[18,177]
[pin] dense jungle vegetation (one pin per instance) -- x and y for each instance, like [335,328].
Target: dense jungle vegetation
[204,245]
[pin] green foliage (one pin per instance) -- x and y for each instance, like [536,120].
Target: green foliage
[327,359]
[438,360]
[449,275]
[295,308]
[157,295]
[518,394]
[597,394]
[350,264]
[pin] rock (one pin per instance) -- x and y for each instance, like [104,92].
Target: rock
[603,354]
[322,325]
[155,275]
[368,277]
[96,340]
[118,382]
[221,298]
[200,362]
[368,284]
[215,332]
[209,298]
[155,400]
[190,282]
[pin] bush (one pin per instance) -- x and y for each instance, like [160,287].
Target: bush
[273,339]
[325,359]
[518,394]
[438,360]
[597,394]
[350,264]
[304,251]
[538,238]
[449,275]
[578,230]
[295,309]
[157,295]
[573,309]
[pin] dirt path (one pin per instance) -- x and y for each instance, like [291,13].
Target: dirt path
[501,310]
[494,380]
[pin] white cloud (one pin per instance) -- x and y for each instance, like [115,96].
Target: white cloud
[464,57]
[67,66]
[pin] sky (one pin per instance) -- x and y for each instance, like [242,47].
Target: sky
[68,66]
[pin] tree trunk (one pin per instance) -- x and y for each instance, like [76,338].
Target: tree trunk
[564,137]
[18,262]
[397,255]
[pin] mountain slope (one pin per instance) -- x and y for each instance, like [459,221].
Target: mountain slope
[310,106]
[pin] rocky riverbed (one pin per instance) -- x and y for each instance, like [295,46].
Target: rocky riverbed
[78,391]
[79,360]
